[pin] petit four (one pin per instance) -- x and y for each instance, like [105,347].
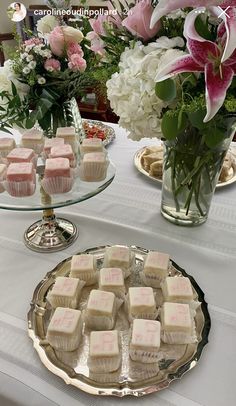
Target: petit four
[6,145]
[112,280]
[93,167]
[3,172]
[65,292]
[177,289]
[91,145]
[51,142]
[84,267]
[33,139]
[101,310]
[145,341]
[155,268]
[119,257]
[69,136]
[65,329]
[104,351]
[19,155]
[20,179]
[58,177]
[141,303]
[63,151]
[177,323]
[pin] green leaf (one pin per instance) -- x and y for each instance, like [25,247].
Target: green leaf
[214,136]
[169,125]
[13,89]
[29,123]
[196,118]
[166,90]
[201,25]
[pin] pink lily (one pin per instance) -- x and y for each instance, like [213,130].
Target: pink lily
[225,9]
[205,56]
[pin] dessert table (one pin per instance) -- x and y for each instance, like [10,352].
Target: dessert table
[127,212]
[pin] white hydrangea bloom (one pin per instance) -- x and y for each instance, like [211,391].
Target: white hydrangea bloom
[132,91]
[7,75]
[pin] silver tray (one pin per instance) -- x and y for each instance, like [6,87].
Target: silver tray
[132,379]
[138,162]
[109,131]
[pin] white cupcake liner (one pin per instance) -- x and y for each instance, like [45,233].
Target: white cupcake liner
[2,188]
[151,280]
[90,278]
[94,173]
[66,342]
[64,301]
[19,189]
[100,323]
[148,357]
[58,184]
[104,364]
[140,371]
[107,377]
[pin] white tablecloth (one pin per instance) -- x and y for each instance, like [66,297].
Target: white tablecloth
[126,212]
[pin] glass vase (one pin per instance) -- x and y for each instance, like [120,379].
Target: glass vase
[64,114]
[191,171]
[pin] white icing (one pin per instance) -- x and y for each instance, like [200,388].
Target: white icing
[104,343]
[146,333]
[157,262]
[82,263]
[101,303]
[111,277]
[176,316]
[64,321]
[65,286]
[117,256]
[178,287]
[141,299]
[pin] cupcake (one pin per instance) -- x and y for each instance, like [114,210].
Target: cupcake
[65,329]
[66,292]
[104,351]
[145,341]
[20,179]
[58,176]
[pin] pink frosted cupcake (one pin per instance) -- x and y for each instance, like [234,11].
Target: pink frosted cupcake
[58,176]
[20,179]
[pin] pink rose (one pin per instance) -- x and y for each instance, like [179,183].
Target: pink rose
[97,44]
[52,64]
[33,41]
[77,63]
[74,48]
[138,20]
[57,41]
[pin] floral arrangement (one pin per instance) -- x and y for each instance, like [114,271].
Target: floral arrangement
[45,70]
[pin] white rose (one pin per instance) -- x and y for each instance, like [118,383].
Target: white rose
[41,80]
[32,65]
[46,24]
[72,34]
[5,84]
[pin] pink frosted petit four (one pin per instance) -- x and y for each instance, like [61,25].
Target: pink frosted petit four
[58,177]
[20,179]
[63,151]
[6,145]
[22,155]
[50,143]
[34,139]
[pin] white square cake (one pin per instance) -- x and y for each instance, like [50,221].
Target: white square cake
[156,268]
[91,145]
[101,310]
[112,280]
[177,289]
[145,340]
[65,292]
[118,256]
[67,133]
[176,317]
[83,267]
[65,329]
[142,302]
[104,351]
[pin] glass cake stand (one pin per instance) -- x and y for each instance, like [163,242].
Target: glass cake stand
[51,233]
